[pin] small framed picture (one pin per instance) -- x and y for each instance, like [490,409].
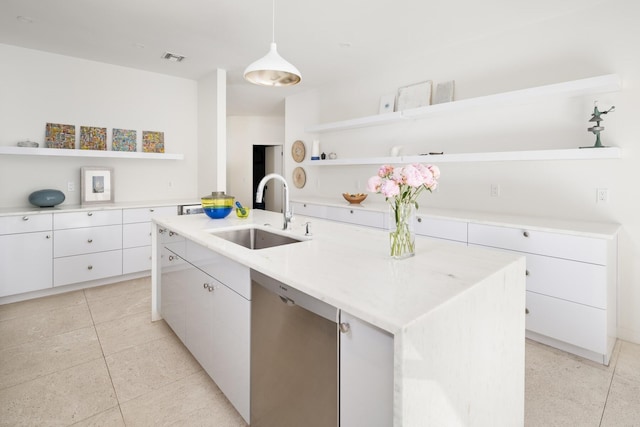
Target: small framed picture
[444,92]
[96,184]
[414,96]
[387,104]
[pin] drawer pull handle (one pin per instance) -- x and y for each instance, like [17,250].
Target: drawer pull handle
[419,219]
[171,257]
[171,233]
[345,327]
[526,311]
[48,236]
[90,213]
[161,230]
[90,267]
[205,285]
[526,272]
[25,218]
[305,205]
[152,210]
[90,241]
[211,288]
[351,211]
[525,234]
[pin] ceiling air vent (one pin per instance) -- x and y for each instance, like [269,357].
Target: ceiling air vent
[172,57]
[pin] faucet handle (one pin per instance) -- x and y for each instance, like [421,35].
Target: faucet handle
[307,229]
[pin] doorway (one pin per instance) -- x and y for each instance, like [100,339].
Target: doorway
[267,159]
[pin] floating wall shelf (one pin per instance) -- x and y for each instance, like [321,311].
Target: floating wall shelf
[592,85]
[566,154]
[64,152]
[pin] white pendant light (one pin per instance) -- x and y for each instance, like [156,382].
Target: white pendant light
[272,69]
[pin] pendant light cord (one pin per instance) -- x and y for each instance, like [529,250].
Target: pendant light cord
[273,21]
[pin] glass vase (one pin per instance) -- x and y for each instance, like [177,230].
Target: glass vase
[402,238]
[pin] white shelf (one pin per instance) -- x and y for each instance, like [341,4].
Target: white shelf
[592,85]
[566,154]
[65,152]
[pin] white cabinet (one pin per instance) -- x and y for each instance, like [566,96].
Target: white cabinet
[87,246]
[26,248]
[353,215]
[136,236]
[366,374]
[172,290]
[211,316]
[571,286]
[441,228]
[309,209]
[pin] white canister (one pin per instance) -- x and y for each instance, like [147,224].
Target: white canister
[315,150]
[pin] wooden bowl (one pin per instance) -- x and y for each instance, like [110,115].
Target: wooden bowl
[354,198]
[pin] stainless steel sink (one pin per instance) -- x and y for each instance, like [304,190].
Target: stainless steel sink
[255,238]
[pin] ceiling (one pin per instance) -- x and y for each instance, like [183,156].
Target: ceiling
[326,40]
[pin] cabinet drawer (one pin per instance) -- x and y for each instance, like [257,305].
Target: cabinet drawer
[145,214]
[566,321]
[570,280]
[356,216]
[441,228]
[170,257]
[228,272]
[578,248]
[25,223]
[86,219]
[309,209]
[136,259]
[86,240]
[138,234]
[82,268]
[167,236]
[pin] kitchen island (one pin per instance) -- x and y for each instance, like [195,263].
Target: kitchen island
[456,314]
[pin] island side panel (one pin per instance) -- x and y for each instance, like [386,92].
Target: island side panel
[155,274]
[463,363]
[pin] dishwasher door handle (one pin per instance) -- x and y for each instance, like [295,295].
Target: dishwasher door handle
[286,300]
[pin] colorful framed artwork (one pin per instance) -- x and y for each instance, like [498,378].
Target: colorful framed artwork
[60,136]
[123,140]
[152,142]
[96,185]
[92,138]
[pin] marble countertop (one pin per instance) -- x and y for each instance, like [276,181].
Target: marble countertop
[606,230]
[33,210]
[350,268]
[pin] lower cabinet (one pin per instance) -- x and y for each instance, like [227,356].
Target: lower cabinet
[25,262]
[366,374]
[212,321]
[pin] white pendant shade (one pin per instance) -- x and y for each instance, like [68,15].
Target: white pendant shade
[272,70]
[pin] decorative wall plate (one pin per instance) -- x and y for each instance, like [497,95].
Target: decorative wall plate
[299,177]
[298,151]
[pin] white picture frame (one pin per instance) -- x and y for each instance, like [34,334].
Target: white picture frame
[414,96]
[387,104]
[96,185]
[444,92]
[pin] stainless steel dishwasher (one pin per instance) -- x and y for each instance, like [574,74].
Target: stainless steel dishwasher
[294,357]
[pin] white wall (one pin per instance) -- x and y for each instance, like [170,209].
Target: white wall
[243,133]
[38,87]
[589,42]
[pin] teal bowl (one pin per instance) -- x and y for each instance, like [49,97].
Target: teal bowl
[218,212]
[46,198]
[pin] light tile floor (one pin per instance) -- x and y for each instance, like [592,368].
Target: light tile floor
[93,358]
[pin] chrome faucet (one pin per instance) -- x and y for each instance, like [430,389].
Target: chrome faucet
[286,209]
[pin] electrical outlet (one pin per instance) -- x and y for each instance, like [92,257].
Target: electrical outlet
[71,186]
[602,195]
[495,190]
